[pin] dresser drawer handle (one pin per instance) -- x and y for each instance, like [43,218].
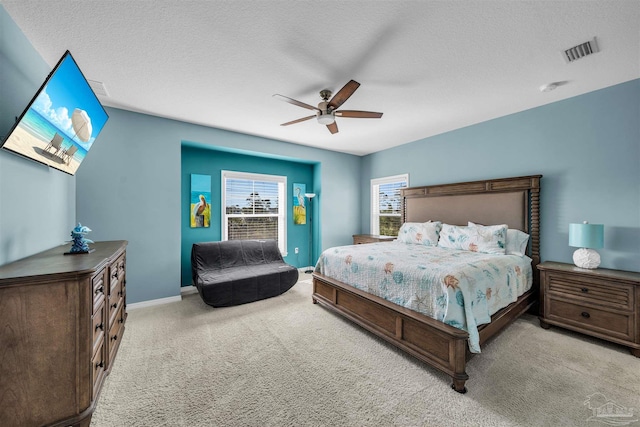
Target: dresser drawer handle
[114,305]
[99,365]
[100,326]
[100,290]
[585,290]
[585,314]
[113,338]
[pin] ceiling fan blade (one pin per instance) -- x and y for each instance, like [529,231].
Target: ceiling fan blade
[333,127]
[299,120]
[343,94]
[358,114]
[294,102]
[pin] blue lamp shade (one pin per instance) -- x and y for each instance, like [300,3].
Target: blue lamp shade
[586,235]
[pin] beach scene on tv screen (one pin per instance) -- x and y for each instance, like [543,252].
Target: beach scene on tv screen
[62,123]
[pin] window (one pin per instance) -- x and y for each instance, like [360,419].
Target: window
[254,207]
[386,204]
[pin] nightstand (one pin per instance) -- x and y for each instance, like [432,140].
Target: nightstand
[359,239]
[601,303]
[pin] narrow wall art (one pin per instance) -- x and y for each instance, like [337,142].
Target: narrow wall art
[299,210]
[200,203]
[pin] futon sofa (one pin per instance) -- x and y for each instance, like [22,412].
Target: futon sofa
[240,271]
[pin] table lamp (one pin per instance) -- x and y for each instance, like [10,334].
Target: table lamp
[586,237]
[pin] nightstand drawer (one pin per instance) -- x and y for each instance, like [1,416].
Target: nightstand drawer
[608,323]
[359,239]
[592,290]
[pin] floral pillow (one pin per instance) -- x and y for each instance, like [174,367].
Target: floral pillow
[492,239]
[474,238]
[457,237]
[420,233]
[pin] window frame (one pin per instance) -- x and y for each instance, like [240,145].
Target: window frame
[375,199]
[281,180]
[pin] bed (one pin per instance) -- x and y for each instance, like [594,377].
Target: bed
[511,201]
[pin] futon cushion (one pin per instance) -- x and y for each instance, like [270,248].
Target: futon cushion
[240,271]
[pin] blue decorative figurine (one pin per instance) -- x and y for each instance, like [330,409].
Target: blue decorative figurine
[80,243]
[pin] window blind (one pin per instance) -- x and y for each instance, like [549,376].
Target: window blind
[386,204]
[254,207]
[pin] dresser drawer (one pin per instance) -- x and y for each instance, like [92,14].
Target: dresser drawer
[98,327]
[115,332]
[113,311]
[117,271]
[99,289]
[121,265]
[608,323]
[97,369]
[115,301]
[598,291]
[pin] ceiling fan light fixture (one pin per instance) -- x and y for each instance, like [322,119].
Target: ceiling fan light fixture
[326,119]
[327,109]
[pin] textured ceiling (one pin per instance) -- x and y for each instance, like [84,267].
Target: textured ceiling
[429,66]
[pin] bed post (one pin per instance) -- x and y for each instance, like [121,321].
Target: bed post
[534,198]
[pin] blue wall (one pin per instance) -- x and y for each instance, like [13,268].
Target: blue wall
[37,204]
[587,148]
[211,162]
[130,187]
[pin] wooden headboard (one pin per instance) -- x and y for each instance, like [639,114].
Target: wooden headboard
[511,201]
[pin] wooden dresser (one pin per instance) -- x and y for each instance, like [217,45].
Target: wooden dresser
[601,303]
[61,321]
[359,239]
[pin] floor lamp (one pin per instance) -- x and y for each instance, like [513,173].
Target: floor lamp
[310,196]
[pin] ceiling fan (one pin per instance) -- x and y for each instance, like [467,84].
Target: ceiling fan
[327,110]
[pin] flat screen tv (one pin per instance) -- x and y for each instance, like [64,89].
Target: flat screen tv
[61,122]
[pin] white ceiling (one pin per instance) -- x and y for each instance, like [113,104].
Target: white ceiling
[429,66]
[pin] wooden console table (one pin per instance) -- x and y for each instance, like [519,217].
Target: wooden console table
[61,322]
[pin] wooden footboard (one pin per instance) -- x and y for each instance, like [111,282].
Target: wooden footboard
[434,343]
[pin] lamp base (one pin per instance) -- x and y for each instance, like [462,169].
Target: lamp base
[586,258]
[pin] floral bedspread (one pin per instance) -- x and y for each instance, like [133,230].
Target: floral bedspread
[460,288]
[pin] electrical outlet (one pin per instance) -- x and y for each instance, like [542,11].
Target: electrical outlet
[296,250]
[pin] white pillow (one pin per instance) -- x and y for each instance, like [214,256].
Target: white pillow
[517,242]
[420,233]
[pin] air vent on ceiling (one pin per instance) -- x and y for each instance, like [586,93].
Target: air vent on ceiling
[98,88]
[580,51]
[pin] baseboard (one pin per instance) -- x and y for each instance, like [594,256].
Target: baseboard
[187,290]
[301,270]
[153,302]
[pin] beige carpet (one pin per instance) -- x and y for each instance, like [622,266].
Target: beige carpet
[287,362]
